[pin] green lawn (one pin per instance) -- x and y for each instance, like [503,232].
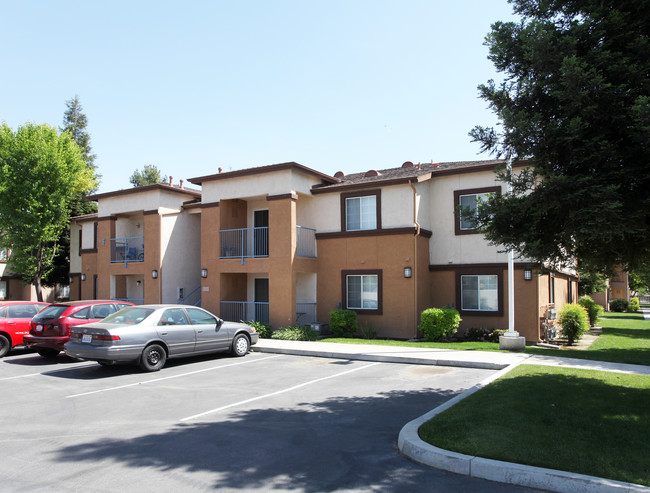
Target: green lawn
[582,421]
[625,339]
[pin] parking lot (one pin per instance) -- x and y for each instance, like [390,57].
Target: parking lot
[258,423]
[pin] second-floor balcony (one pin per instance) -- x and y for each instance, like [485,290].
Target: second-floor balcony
[254,242]
[127,250]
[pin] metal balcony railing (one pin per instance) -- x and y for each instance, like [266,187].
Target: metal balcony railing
[127,249]
[245,311]
[305,242]
[305,314]
[244,242]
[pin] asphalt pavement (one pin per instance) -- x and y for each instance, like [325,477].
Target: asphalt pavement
[409,442]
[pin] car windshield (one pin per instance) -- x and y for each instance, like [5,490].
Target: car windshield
[130,315]
[50,313]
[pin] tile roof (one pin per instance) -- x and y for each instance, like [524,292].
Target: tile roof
[407,172]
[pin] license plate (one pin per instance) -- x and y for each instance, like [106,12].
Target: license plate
[87,338]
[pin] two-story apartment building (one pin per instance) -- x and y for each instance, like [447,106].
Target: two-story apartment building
[287,244]
[142,245]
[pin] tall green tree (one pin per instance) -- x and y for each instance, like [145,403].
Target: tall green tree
[148,175]
[41,173]
[75,122]
[575,100]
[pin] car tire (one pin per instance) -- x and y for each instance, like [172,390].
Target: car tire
[5,345]
[240,345]
[153,358]
[48,353]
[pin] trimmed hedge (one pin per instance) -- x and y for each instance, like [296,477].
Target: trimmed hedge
[437,323]
[594,310]
[343,323]
[574,321]
[618,305]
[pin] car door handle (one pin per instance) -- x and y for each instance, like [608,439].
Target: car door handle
[200,331]
[164,333]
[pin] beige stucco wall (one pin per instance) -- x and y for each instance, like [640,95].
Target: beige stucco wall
[446,246]
[181,254]
[274,183]
[147,200]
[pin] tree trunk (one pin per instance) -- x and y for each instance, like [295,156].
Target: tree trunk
[37,287]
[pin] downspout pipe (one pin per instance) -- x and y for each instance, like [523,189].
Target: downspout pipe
[415,259]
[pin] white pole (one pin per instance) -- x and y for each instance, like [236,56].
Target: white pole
[511,272]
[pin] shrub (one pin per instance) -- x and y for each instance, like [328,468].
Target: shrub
[295,334]
[263,329]
[618,305]
[594,310]
[634,305]
[483,335]
[437,323]
[368,331]
[574,320]
[343,323]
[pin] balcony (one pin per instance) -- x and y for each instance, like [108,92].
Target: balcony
[254,242]
[305,242]
[127,249]
[244,243]
[245,311]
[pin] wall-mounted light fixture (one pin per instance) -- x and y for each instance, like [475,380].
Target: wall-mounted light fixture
[83,277]
[154,274]
[70,279]
[138,283]
[204,273]
[408,272]
[528,274]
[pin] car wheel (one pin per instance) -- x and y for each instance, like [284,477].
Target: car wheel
[240,345]
[5,346]
[48,353]
[153,358]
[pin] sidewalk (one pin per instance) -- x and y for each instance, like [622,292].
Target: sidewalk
[409,442]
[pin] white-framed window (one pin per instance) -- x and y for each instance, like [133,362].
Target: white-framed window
[480,293]
[361,213]
[469,205]
[362,292]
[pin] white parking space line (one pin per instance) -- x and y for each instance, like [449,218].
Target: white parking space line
[109,389]
[48,372]
[290,389]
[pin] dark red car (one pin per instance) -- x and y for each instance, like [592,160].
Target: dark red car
[15,317]
[50,328]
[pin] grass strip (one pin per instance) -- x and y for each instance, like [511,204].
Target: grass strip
[582,421]
[625,339]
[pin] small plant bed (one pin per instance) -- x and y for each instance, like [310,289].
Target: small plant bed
[581,421]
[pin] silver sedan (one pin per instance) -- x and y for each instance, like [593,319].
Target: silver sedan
[148,335]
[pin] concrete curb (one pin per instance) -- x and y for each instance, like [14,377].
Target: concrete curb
[410,445]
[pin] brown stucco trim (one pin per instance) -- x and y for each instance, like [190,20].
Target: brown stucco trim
[147,188]
[88,250]
[85,218]
[150,213]
[263,169]
[469,191]
[501,265]
[480,271]
[107,218]
[367,193]
[373,184]
[365,272]
[373,232]
[283,196]
[209,204]
[479,167]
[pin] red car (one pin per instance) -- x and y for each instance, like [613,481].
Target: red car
[50,328]
[14,322]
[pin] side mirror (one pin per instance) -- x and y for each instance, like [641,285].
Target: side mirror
[219,322]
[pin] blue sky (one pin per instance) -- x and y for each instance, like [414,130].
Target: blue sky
[192,86]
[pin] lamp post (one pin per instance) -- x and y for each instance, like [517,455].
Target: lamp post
[511,340]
